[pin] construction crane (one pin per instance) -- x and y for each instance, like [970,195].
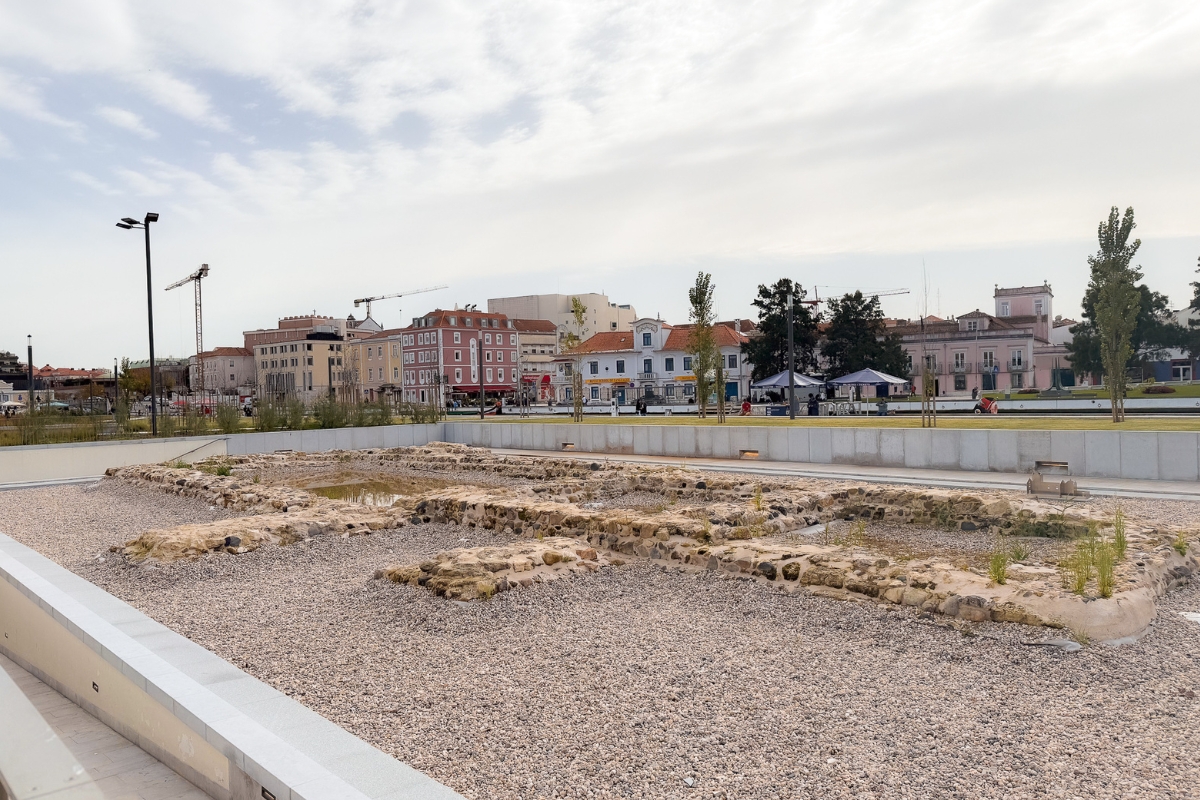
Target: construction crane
[196,277]
[369,300]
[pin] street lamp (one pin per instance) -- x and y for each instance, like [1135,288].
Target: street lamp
[128,223]
[791,361]
[29,341]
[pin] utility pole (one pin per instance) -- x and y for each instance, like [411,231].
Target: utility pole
[791,362]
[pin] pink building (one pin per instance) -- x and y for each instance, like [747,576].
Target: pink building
[444,352]
[1015,348]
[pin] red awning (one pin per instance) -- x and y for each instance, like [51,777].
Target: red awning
[545,379]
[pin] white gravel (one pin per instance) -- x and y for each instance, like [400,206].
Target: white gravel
[633,681]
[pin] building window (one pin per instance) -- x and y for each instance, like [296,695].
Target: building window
[1016,358]
[395,373]
[453,321]
[512,339]
[487,338]
[371,374]
[500,375]
[567,393]
[989,359]
[732,362]
[594,367]
[960,362]
[687,363]
[458,376]
[689,389]
[595,392]
[620,366]
[669,390]
[972,324]
[647,365]
[960,383]
[487,355]
[489,374]
[1037,307]
[1004,309]
[646,341]
[669,364]
[1018,380]
[458,355]
[908,363]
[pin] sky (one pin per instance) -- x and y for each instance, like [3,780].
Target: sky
[315,152]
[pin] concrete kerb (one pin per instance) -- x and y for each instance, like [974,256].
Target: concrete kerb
[53,619]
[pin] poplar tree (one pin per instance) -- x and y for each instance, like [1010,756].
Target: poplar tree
[1118,300]
[702,342]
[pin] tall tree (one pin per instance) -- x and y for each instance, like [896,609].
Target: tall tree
[858,339]
[575,336]
[767,350]
[1154,331]
[1117,301]
[702,342]
[1196,290]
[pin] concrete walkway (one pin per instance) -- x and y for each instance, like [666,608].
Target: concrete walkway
[115,768]
[958,479]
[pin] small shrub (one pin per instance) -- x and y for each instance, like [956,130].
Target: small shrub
[1120,543]
[1159,389]
[826,537]
[1105,560]
[179,464]
[1020,552]
[379,413]
[267,417]
[943,515]
[329,413]
[356,415]
[1180,544]
[758,501]
[166,424]
[998,566]
[229,418]
[1079,567]
[293,413]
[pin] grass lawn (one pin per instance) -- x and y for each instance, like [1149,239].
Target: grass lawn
[972,422]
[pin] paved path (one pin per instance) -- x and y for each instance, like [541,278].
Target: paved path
[1123,487]
[119,769]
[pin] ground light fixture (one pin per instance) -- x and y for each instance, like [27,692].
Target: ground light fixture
[128,223]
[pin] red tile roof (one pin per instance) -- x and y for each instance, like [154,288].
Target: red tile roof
[535,325]
[607,342]
[724,335]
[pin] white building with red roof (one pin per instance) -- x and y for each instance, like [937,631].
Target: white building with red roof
[652,360]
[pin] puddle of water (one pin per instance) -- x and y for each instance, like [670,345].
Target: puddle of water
[367,493]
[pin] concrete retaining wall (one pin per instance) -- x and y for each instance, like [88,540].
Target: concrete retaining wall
[1149,455]
[228,733]
[56,462]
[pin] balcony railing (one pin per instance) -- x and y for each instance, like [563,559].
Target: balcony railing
[1017,367]
[962,368]
[647,376]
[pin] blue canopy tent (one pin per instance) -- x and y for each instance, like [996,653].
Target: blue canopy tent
[869,377]
[780,381]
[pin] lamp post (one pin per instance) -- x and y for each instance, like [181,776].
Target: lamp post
[127,223]
[791,363]
[481,390]
[29,341]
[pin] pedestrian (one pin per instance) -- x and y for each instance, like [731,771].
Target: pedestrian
[814,405]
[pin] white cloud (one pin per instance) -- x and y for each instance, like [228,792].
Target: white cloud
[91,182]
[127,120]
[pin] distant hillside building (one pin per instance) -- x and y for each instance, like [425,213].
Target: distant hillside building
[226,370]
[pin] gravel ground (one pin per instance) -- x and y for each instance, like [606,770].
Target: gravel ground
[634,681]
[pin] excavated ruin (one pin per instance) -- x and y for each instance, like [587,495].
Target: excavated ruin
[555,517]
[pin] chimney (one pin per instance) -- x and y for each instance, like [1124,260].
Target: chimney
[737,325]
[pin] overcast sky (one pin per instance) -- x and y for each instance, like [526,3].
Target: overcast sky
[314,152]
